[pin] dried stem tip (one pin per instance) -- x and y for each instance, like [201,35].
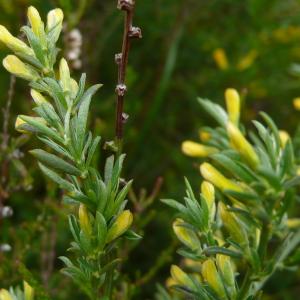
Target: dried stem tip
[126,4]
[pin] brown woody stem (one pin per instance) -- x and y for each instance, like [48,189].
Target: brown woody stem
[121,61]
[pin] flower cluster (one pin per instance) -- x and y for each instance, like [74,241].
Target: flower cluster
[229,241]
[62,106]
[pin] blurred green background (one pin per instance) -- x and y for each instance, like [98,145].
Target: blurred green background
[189,48]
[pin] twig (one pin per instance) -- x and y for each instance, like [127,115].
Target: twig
[121,61]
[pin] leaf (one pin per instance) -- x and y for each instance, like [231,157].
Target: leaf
[56,178]
[242,196]
[55,162]
[175,204]
[35,45]
[100,229]
[108,169]
[131,235]
[238,170]
[110,265]
[42,128]
[271,177]
[213,250]
[92,150]
[83,113]
[74,227]
[215,110]
[287,159]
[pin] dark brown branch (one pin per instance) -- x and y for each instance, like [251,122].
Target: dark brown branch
[122,60]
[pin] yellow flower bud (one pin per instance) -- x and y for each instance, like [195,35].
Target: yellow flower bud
[187,236]
[180,277]
[74,87]
[54,23]
[5,295]
[64,75]
[247,61]
[197,150]
[233,105]
[240,144]
[170,282]
[28,291]
[212,277]
[296,103]
[208,192]
[226,269]
[15,66]
[35,20]
[37,97]
[220,58]
[284,137]
[234,227]
[293,223]
[84,220]
[14,43]
[212,175]
[121,225]
[204,135]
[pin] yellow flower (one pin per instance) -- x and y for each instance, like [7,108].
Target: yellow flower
[234,227]
[247,61]
[233,105]
[187,236]
[121,225]
[37,97]
[296,103]
[84,220]
[5,295]
[64,75]
[212,175]
[284,137]
[208,192]
[170,282]
[204,135]
[74,87]
[293,223]
[239,143]
[180,277]
[15,66]
[14,43]
[197,150]
[212,277]
[35,20]
[28,291]
[226,269]
[220,58]
[54,23]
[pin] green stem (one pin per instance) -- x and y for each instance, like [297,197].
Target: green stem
[244,291]
[264,239]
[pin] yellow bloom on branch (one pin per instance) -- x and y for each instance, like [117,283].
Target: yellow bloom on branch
[247,61]
[28,291]
[187,236]
[212,277]
[220,58]
[120,226]
[37,97]
[193,149]
[212,175]
[180,277]
[5,295]
[204,135]
[233,105]
[284,137]
[208,192]
[233,226]
[240,144]
[84,220]
[35,20]
[15,66]
[296,103]
[14,43]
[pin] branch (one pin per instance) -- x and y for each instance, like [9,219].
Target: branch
[121,59]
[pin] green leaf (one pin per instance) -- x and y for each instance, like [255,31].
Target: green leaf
[55,162]
[287,159]
[100,228]
[131,235]
[108,169]
[92,150]
[56,178]
[42,128]
[213,250]
[271,178]
[175,204]
[215,110]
